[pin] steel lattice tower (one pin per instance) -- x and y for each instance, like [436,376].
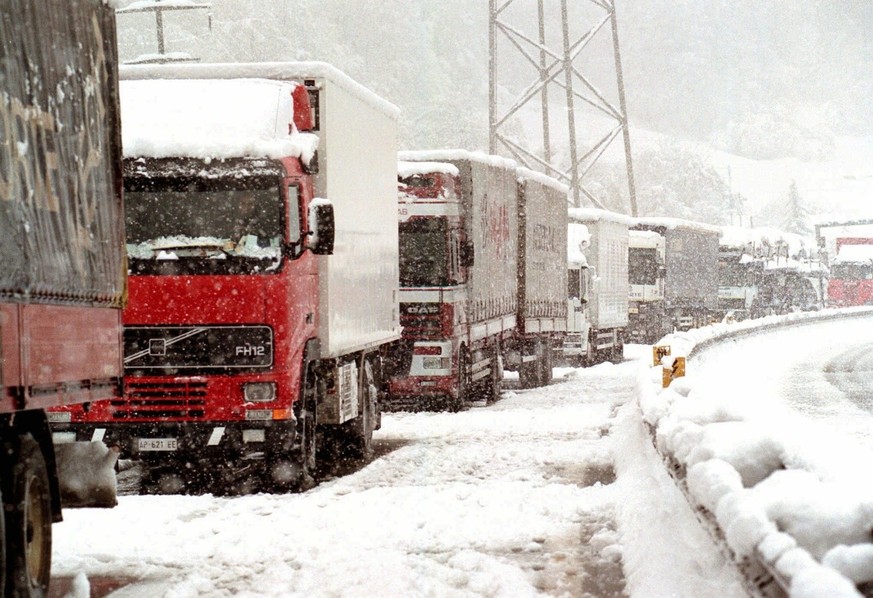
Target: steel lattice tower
[558,70]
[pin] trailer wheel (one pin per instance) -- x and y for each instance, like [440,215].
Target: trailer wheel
[28,525]
[360,441]
[495,380]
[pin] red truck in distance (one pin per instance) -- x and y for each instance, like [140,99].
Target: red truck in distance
[259,312]
[62,275]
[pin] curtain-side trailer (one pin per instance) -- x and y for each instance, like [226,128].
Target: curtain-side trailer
[62,278]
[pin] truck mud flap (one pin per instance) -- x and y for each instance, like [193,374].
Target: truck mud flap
[86,474]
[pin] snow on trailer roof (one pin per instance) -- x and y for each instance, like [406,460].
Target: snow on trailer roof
[544,179]
[282,71]
[673,223]
[444,155]
[152,5]
[737,236]
[408,169]
[209,119]
[595,215]
[855,254]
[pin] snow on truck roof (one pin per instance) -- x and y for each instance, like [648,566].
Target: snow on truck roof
[855,254]
[455,155]
[222,118]
[408,169]
[737,236]
[595,215]
[544,179]
[677,223]
[282,71]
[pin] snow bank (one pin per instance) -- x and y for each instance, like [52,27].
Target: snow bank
[752,478]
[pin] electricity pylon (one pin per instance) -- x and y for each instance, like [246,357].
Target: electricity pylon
[559,70]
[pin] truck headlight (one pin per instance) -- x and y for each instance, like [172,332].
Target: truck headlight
[259,392]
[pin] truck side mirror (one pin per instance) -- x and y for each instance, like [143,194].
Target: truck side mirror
[321,224]
[467,254]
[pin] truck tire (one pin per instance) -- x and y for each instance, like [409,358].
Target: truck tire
[28,525]
[457,403]
[303,452]
[545,365]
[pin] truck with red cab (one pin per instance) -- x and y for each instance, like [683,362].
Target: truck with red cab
[482,276]
[263,273]
[62,278]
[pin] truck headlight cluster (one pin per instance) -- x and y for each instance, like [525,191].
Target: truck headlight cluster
[259,392]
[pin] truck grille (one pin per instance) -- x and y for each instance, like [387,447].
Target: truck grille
[163,400]
[166,350]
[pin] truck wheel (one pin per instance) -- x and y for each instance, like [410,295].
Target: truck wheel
[458,403]
[545,365]
[28,529]
[304,461]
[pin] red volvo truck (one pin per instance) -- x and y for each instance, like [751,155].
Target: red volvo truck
[62,277]
[263,272]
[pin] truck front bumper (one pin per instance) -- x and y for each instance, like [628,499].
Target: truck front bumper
[185,440]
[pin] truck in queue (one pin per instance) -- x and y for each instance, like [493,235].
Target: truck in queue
[541,316]
[262,248]
[847,247]
[647,319]
[597,298]
[62,278]
[690,273]
[458,227]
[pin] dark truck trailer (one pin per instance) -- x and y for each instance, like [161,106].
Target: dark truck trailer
[690,270]
[62,278]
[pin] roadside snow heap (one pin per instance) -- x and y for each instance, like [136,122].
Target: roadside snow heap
[754,487]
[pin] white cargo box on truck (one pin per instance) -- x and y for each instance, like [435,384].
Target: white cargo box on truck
[607,253]
[542,275]
[357,172]
[488,197]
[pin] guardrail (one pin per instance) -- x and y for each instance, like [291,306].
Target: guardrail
[773,563]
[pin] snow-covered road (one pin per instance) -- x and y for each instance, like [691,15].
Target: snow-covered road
[553,491]
[543,493]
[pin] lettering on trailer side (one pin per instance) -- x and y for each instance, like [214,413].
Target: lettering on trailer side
[495,224]
[545,238]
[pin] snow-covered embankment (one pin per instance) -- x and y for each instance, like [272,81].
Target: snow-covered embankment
[758,486]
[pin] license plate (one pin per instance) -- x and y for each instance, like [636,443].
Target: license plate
[157,444]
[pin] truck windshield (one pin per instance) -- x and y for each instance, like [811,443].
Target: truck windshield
[423,252]
[203,230]
[642,266]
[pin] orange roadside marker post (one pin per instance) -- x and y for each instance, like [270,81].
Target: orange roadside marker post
[658,353]
[671,372]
